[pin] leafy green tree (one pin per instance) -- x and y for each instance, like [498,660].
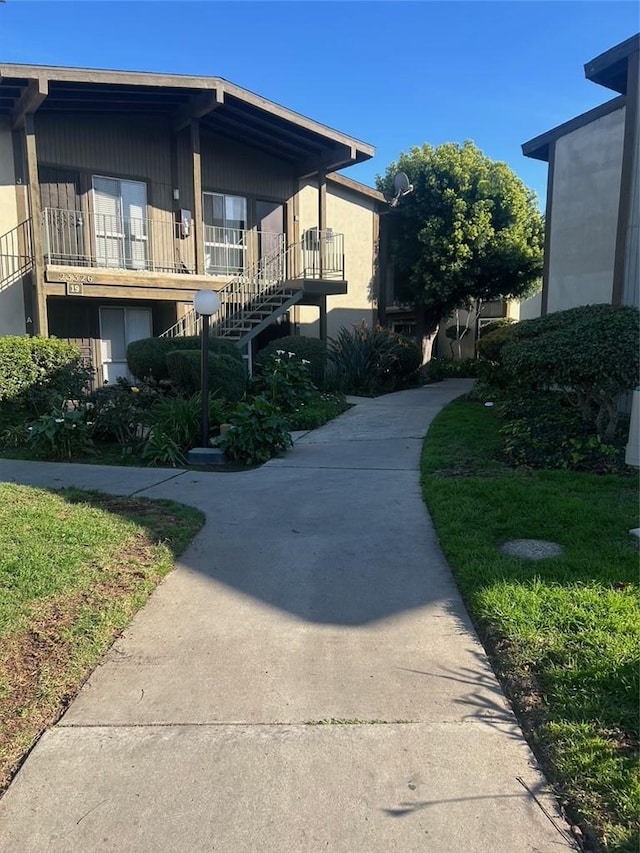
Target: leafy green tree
[470,232]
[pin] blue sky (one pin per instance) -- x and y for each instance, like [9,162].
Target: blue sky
[395,74]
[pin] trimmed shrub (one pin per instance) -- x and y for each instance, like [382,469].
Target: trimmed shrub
[227,376]
[494,337]
[147,357]
[312,350]
[447,368]
[39,373]
[589,353]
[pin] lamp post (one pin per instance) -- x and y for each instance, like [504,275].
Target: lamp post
[206,303]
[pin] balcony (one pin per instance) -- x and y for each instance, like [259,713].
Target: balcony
[72,238]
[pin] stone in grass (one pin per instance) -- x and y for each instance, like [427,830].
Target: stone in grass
[531,549]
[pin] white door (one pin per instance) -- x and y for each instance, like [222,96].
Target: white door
[118,328]
[120,223]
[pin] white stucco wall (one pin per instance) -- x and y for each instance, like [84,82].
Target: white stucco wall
[353,215]
[586,193]
[11,294]
[531,308]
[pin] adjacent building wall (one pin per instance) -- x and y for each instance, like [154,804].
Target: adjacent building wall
[354,215]
[12,319]
[586,192]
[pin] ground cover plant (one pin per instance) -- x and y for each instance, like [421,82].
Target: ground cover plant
[74,568]
[563,633]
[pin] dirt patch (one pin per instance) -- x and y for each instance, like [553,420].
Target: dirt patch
[42,667]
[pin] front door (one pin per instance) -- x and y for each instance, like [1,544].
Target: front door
[119,212]
[62,216]
[270,222]
[118,328]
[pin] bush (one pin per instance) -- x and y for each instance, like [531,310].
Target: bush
[446,368]
[259,431]
[178,419]
[227,375]
[311,350]
[38,374]
[61,434]
[590,353]
[147,357]
[117,411]
[373,360]
[494,337]
[285,382]
[542,430]
[319,410]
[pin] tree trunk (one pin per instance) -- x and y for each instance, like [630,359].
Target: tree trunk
[426,334]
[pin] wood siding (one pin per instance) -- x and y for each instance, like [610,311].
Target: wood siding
[240,169]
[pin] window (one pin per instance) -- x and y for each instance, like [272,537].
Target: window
[120,211]
[225,233]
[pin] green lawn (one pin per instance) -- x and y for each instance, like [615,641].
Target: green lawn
[564,633]
[74,568]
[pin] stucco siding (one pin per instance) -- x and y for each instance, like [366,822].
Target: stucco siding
[11,291]
[586,192]
[354,215]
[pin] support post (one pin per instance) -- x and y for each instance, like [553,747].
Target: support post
[323,318]
[198,224]
[41,324]
[322,217]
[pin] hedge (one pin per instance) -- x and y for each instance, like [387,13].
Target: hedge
[147,357]
[34,371]
[590,353]
[312,350]
[227,375]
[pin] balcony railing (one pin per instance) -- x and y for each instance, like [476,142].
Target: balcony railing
[231,251]
[72,238]
[322,254]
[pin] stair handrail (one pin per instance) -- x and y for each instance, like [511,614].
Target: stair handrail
[259,279]
[16,253]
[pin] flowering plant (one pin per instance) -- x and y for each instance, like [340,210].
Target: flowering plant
[62,434]
[284,381]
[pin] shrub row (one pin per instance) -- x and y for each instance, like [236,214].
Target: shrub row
[147,358]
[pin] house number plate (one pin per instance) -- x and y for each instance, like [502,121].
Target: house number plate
[75,288]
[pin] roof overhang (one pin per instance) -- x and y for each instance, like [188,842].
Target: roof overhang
[611,67]
[221,107]
[538,148]
[357,187]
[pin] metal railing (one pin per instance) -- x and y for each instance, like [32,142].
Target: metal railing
[16,255]
[322,254]
[228,251]
[72,238]
[244,294]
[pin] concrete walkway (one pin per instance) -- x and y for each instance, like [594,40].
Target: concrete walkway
[306,680]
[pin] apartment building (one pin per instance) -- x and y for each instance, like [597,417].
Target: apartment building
[123,194]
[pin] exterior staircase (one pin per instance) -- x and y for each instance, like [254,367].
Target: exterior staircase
[250,301]
[16,258]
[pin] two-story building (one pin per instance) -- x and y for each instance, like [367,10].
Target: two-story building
[123,194]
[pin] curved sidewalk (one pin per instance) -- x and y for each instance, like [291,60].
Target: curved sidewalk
[306,680]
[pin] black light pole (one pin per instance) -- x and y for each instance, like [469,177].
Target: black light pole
[206,303]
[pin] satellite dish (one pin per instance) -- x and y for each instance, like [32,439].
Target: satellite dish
[401,183]
[402,187]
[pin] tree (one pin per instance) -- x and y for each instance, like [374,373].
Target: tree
[470,232]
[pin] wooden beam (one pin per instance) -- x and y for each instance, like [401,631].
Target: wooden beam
[198,222]
[331,158]
[41,324]
[29,101]
[197,107]
[322,227]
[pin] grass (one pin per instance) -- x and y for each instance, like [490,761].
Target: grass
[563,633]
[74,568]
